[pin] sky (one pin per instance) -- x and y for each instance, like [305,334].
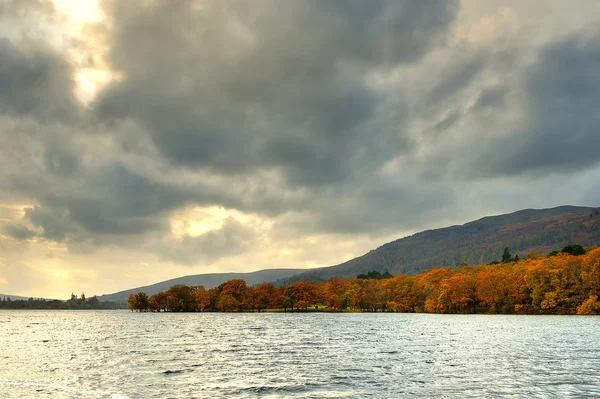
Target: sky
[143,140]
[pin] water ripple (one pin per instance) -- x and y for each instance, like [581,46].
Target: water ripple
[120,355]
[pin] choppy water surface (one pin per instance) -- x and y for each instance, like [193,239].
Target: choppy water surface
[117,354]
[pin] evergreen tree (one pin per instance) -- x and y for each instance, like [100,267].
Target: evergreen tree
[506,257]
[574,249]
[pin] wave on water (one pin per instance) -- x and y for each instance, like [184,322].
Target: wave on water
[350,356]
[30,389]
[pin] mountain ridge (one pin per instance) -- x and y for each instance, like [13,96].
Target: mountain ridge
[477,242]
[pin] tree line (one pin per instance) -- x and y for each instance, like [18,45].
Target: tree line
[565,282]
[74,302]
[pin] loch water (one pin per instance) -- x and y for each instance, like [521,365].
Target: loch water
[119,354]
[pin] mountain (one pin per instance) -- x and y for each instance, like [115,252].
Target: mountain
[478,242]
[207,280]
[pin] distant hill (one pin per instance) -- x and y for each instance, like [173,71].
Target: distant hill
[18,298]
[478,242]
[207,280]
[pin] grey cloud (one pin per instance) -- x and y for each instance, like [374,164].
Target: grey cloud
[54,223]
[491,97]
[60,160]
[35,81]
[21,8]
[448,121]
[113,201]
[459,84]
[236,87]
[233,238]
[377,206]
[388,32]
[563,132]
[463,69]
[380,206]
[19,232]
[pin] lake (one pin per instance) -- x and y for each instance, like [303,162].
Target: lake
[118,354]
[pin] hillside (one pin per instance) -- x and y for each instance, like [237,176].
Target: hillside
[207,280]
[477,242]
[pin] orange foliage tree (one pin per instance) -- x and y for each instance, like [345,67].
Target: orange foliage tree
[562,284]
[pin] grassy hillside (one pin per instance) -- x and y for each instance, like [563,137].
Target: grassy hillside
[207,280]
[477,242]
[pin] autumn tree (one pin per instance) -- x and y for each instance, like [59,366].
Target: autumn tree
[215,294]
[238,290]
[590,307]
[305,294]
[182,298]
[130,301]
[289,298]
[228,303]
[262,297]
[402,296]
[456,294]
[159,302]
[369,296]
[591,272]
[278,295]
[490,286]
[333,293]
[202,298]
[139,302]
[427,288]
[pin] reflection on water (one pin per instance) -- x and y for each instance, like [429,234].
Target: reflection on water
[117,354]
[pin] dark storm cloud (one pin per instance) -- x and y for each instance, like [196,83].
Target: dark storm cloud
[111,200]
[563,129]
[235,88]
[35,81]
[120,202]
[54,224]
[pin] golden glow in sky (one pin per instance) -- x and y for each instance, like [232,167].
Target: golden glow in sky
[79,10]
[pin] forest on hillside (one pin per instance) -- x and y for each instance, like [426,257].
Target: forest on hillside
[477,242]
[566,282]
